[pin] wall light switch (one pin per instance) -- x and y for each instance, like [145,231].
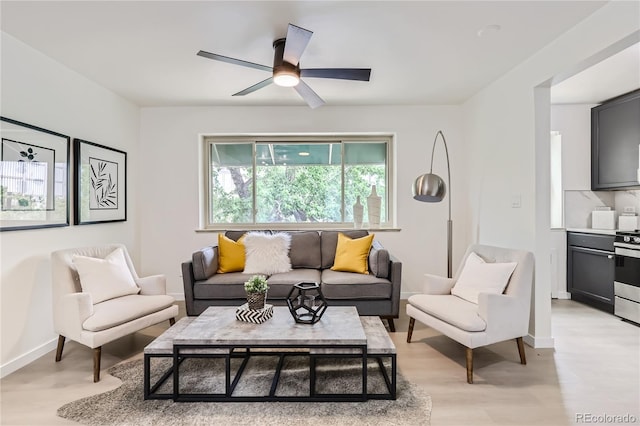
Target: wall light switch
[516,202]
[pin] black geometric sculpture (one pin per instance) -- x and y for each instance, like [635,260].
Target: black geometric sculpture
[306,303]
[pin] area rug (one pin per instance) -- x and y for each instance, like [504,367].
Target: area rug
[126,405]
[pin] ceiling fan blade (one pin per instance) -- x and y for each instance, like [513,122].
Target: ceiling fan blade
[360,74]
[234,61]
[297,40]
[310,97]
[255,87]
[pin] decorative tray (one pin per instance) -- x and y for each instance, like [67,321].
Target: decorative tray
[243,313]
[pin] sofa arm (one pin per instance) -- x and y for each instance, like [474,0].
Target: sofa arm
[506,316]
[205,262]
[152,285]
[71,311]
[395,276]
[188,280]
[435,284]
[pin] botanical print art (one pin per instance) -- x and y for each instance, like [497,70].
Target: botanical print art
[27,177]
[104,184]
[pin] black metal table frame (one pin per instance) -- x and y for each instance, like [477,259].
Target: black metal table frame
[150,392]
[227,396]
[389,379]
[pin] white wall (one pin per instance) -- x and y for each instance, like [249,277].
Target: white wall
[574,124]
[169,174]
[507,126]
[39,91]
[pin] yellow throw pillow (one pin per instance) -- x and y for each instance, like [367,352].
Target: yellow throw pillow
[352,255]
[231,255]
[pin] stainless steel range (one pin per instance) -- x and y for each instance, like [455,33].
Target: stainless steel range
[627,276]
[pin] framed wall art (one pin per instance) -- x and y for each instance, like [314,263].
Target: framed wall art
[100,184]
[34,177]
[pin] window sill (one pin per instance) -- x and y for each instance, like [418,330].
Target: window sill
[273,228]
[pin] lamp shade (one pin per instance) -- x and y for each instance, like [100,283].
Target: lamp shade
[429,188]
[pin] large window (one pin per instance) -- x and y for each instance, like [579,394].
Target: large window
[293,181]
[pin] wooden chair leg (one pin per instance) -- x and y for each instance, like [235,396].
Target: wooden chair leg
[523,358]
[97,352]
[412,322]
[469,365]
[60,348]
[172,321]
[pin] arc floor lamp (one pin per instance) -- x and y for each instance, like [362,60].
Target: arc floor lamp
[430,188]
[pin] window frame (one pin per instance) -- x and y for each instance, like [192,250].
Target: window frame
[208,140]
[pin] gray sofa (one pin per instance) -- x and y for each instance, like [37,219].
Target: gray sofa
[312,254]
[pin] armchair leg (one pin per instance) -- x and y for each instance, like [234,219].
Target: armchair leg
[172,321]
[469,365]
[97,352]
[523,358]
[60,348]
[412,322]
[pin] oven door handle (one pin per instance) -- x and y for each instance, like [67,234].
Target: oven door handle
[627,252]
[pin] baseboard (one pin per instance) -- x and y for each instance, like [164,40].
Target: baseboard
[563,295]
[28,358]
[539,342]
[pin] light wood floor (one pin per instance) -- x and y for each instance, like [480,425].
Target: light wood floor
[593,369]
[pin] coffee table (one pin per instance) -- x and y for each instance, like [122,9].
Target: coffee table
[217,334]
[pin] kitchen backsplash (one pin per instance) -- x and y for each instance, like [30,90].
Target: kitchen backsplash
[578,205]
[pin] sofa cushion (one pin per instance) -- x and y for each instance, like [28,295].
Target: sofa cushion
[450,309]
[229,286]
[221,286]
[231,256]
[352,254]
[379,260]
[296,276]
[205,263]
[348,285]
[477,277]
[329,242]
[235,235]
[114,312]
[305,250]
[267,253]
[105,278]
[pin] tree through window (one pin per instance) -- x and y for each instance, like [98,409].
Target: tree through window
[286,181]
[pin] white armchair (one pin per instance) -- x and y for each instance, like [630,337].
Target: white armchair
[77,316]
[495,317]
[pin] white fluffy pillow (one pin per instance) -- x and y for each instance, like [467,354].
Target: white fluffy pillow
[105,278]
[267,253]
[478,276]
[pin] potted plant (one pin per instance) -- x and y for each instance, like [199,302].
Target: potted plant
[256,288]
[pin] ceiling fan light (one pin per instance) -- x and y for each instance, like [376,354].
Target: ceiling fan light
[286,78]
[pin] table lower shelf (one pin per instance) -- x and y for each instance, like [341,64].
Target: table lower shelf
[298,365]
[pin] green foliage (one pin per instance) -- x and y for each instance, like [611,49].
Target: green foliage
[292,194]
[256,284]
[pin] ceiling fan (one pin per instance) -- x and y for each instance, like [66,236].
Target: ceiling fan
[286,70]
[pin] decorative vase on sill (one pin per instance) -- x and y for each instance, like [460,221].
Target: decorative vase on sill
[373,208]
[256,288]
[358,213]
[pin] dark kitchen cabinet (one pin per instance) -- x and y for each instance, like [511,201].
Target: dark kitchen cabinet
[590,269]
[615,143]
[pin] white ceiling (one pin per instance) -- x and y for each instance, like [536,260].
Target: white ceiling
[613,76]
[421,52]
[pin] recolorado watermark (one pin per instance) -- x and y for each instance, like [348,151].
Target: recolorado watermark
[606,418]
